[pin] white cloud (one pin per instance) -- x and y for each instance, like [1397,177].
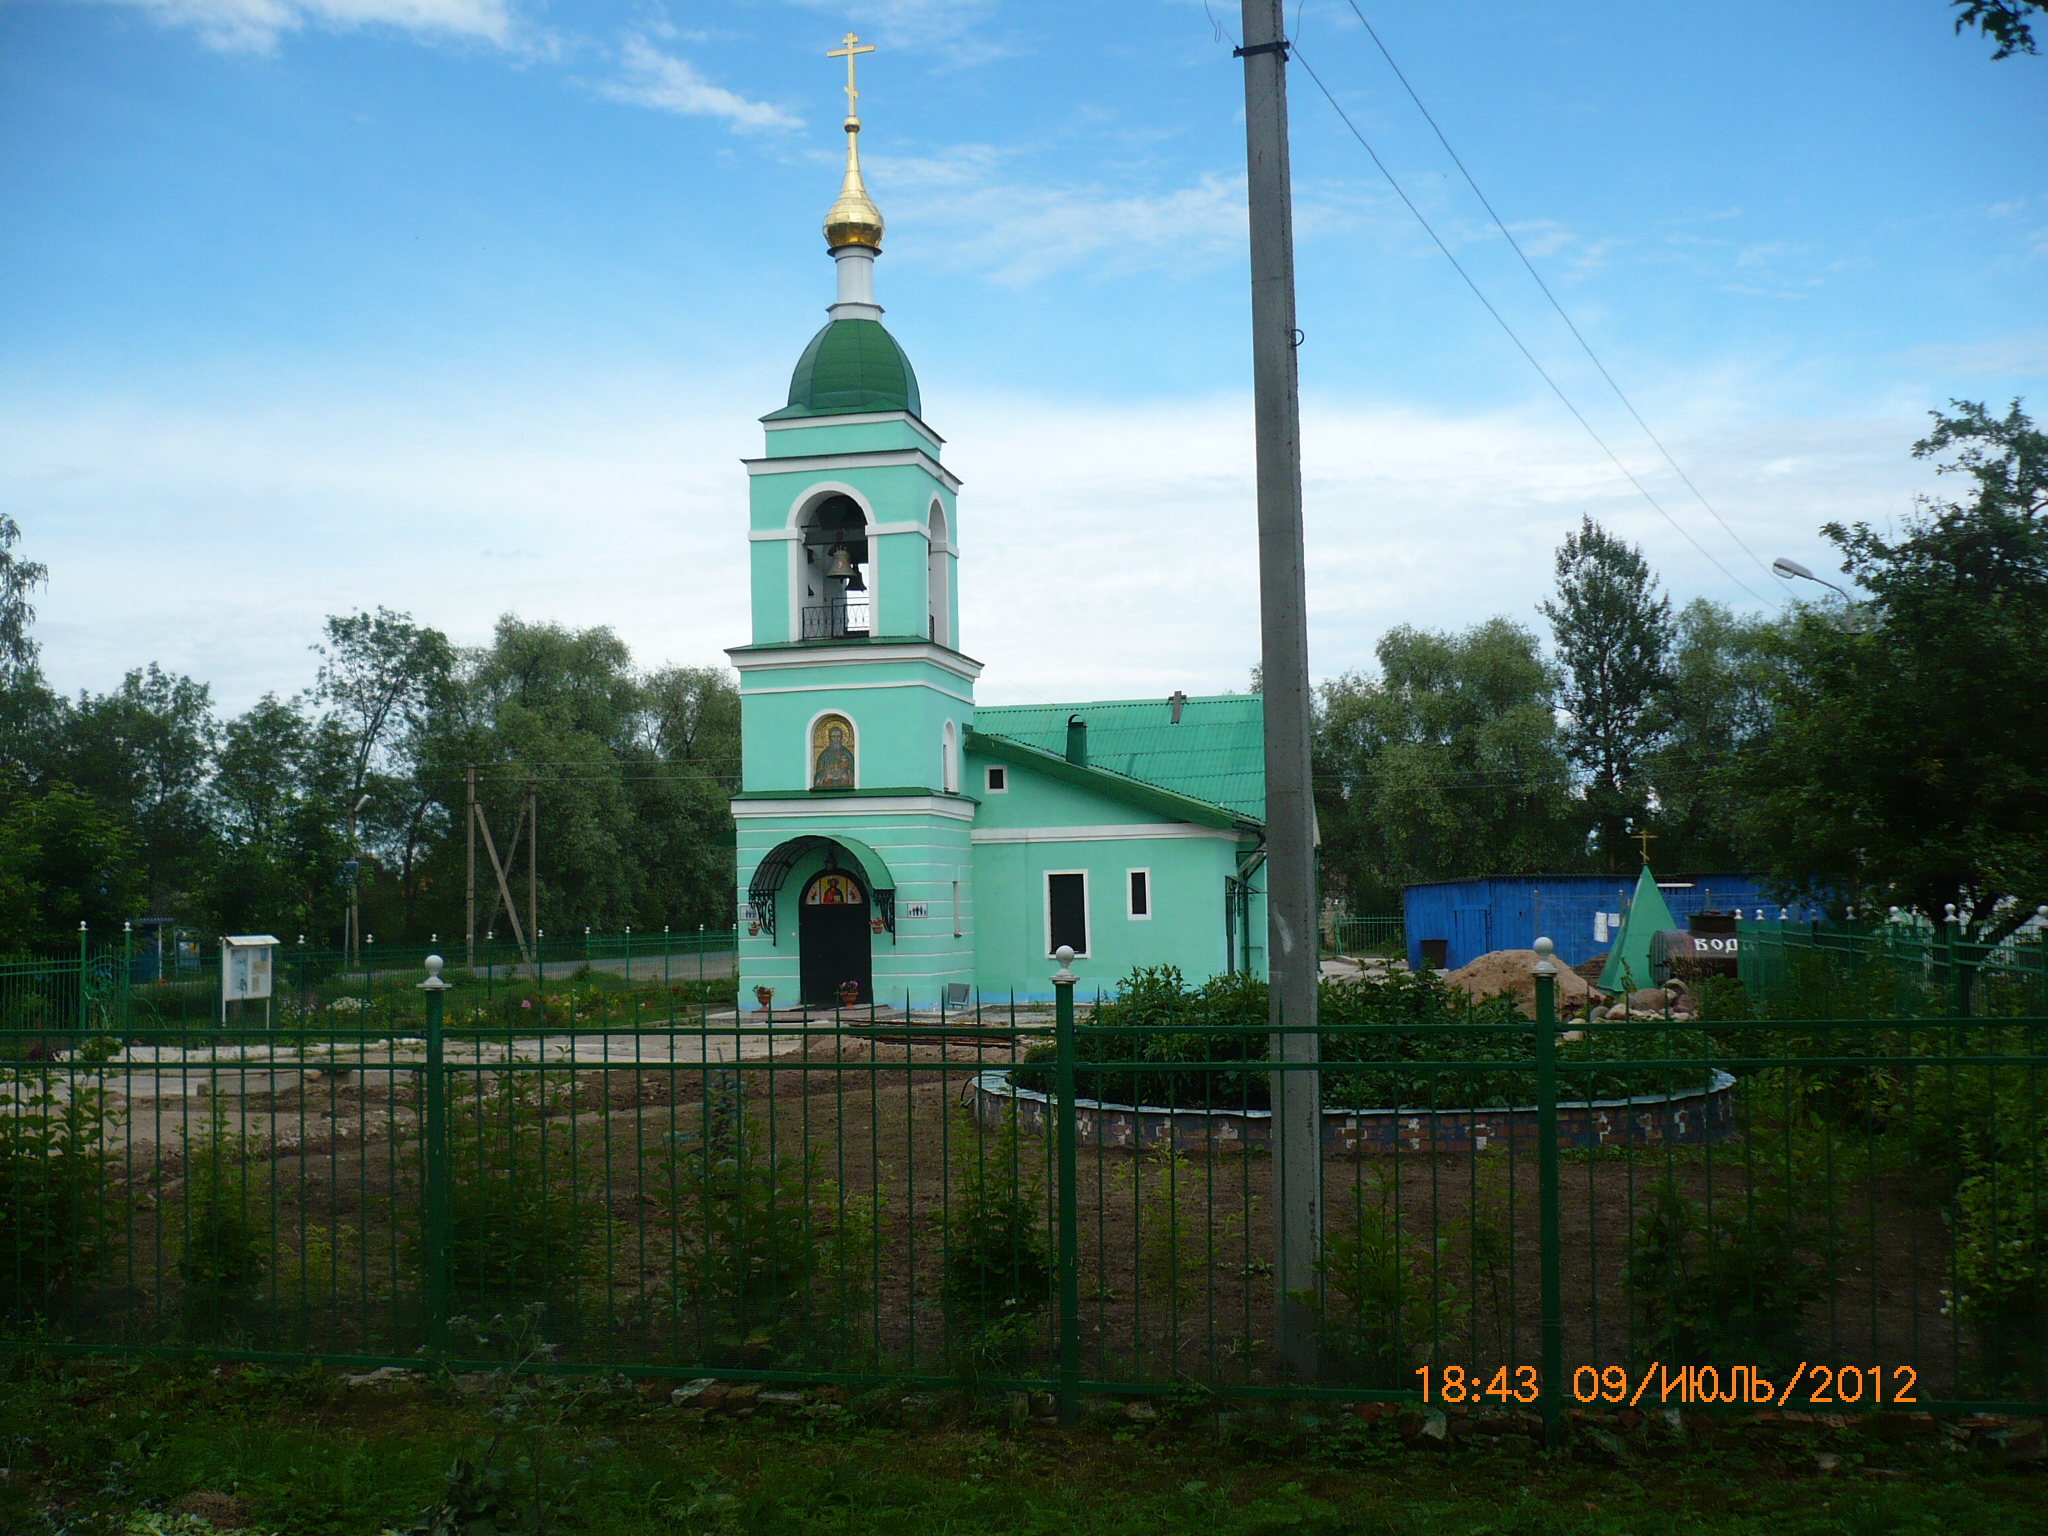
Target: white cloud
[256,25]
[655,79]
[1107,549]
[962,208]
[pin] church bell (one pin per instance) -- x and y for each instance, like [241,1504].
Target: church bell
[843,569]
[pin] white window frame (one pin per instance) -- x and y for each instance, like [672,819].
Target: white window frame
[949,759]
[1087,910]
[1146,915]
[988,780]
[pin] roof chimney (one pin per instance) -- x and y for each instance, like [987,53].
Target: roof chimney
[1077,741]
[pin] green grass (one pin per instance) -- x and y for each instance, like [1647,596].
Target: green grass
[98,1447]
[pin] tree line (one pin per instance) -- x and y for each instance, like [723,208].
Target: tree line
[143,800]
[1884,751]
[1887,750]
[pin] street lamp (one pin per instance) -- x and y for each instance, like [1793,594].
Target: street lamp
[1792,570]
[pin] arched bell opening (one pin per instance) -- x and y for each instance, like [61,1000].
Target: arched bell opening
[835,940]
[837,571]
[938,602]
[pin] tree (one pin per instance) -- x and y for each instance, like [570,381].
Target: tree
[1905,767]
[144,751]
[1612,631]
[1449,763]
[18,578]
[28,710]
[2005,22]
[275,801]
[65,859]
[1714,708]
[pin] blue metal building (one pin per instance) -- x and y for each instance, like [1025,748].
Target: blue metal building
[1467,918]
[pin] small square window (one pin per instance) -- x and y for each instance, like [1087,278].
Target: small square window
[998,780]
[1141,892]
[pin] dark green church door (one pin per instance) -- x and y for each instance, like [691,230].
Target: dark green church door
[833,939]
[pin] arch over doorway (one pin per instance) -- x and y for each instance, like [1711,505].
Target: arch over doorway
[840,852]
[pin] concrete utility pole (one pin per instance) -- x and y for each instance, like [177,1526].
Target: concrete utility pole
[1290,808]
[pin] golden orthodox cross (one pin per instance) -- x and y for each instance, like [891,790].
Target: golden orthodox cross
[848,53]
[1646,838]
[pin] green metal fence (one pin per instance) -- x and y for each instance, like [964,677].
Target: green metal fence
[1837,1214]
[1895,967]
[1381,936]
[122,984]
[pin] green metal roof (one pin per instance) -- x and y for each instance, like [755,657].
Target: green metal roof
[1217,754]
[851,365]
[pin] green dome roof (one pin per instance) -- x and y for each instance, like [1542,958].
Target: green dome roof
[851,365]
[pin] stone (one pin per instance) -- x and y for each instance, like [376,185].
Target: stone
[704,1392]
[383,1376]
[222,1511]
[783,1399]
[2025,1441]
[1142,1413]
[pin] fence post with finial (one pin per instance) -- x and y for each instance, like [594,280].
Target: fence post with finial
[1551,1281]
[434,1250]
[1070,1216]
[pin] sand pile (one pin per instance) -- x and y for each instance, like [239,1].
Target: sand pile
[1512,970]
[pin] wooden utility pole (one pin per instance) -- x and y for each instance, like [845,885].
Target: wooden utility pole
[469,907]
[533,871]
[1283,601]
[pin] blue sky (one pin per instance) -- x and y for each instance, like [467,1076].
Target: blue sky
[468,306]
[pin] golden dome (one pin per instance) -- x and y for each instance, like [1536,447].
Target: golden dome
[854,219]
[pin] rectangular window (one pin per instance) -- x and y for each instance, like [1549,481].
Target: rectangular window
[1066,911]
[998,780]
[1141,892]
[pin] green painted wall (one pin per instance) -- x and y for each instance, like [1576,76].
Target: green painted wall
[1187,875]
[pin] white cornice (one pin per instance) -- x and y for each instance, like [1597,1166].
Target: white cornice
[875,531]
[1132,832]
[842,685]
[854,419]
[864,805]
[746,658]
[879,458]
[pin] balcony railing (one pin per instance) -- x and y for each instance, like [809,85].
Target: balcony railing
[833,621]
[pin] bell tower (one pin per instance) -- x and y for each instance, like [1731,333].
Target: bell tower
[854,859]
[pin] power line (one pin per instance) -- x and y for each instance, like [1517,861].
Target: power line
[1509,331]
[1515,245]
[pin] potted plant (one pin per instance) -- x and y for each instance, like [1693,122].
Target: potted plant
[764,996]
[849,993]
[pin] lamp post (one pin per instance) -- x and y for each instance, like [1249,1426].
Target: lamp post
[1792,570]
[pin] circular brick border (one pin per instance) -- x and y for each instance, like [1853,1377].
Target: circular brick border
[1677,1119]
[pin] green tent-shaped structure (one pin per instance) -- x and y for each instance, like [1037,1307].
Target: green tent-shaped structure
[1628,963]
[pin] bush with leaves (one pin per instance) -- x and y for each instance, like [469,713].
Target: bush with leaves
[1726,1284]
[998,1266]
[770,1254]
[1210,1043]
[523,1211]
[1385,1300]
[60,1222]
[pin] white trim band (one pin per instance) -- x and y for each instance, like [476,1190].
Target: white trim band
[1132,832]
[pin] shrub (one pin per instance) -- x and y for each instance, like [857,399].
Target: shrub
[998,1266]
[517,1230]
[1209,1044]
[769,1252]
[1382,1308]
[59,1223]
[1725,1288]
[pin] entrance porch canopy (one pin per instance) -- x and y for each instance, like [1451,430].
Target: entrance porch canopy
[776,864]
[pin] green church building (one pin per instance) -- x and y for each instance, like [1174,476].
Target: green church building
[897,844]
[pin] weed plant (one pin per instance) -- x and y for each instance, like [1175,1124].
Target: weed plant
[60,1221]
